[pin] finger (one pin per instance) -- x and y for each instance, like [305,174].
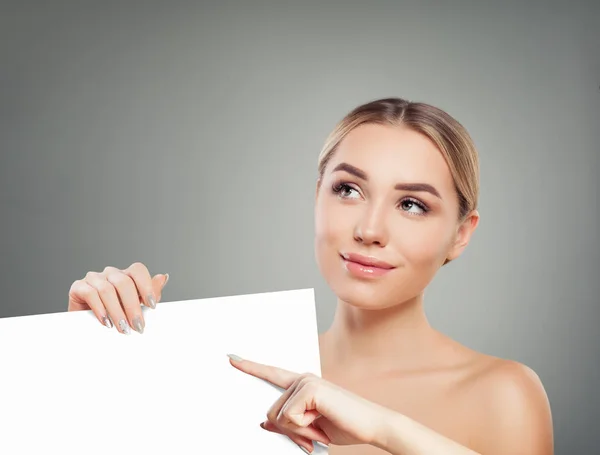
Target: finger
[158,284]
[78,297]
[276,414]
[275,410]
[298,412]
[128,295]
[301,408]
[82,295]
[324,425]
[110,300]
[310,432]
[305,444]
[276,376]
[142,280]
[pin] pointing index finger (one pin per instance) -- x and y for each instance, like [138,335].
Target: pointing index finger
[276,376]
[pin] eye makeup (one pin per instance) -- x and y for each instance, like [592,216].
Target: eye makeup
[346,190]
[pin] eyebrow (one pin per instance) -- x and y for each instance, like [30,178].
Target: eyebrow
[419,187]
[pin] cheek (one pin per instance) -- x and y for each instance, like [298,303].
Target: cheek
[327,230]
[423,245]
[333,230]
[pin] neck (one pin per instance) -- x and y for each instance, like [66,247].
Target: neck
[379,340]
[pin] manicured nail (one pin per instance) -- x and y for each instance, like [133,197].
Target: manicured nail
[167,280]
[123,326]
[138,324]
[151,301]
[107,322]
[304,449]
[235,358]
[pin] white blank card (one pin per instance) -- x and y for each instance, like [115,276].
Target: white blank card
[70,386]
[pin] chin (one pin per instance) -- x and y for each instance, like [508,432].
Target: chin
[365,291]
[367,295]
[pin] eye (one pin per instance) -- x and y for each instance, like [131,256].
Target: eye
[413,206]
[345,191]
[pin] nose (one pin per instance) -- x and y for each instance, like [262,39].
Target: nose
[371,228]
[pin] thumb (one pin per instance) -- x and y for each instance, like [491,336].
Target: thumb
[158,283]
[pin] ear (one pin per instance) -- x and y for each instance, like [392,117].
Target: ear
[463,235]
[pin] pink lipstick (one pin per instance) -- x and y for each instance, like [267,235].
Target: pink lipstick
[365,266]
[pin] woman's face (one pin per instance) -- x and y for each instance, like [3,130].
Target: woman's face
[386,216]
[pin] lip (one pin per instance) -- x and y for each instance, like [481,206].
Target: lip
[367,261]
[365,267]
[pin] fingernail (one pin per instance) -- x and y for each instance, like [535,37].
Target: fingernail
[167,280]
[151,301]
[138,324]
[107,322]
[304,449]
[123,326]
[235,358]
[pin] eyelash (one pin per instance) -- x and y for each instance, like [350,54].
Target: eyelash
[338,187]
[343,186]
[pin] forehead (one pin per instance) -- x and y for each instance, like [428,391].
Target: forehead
[394,154]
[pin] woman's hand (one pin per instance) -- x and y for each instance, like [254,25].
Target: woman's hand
[116,295]
[312,409]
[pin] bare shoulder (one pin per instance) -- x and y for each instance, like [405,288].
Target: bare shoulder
[513,391]
[514,408]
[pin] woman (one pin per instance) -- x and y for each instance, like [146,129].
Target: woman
[396,199]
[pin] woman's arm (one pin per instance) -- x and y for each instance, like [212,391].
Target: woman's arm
[516,419]
[403,436]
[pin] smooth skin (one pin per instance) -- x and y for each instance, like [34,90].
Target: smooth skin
[390,382]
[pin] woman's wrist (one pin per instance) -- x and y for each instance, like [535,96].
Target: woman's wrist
[399,435]
[389,433]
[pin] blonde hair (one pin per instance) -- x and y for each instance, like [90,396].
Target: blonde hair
[450,137]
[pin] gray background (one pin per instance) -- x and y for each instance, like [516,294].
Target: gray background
[186,136]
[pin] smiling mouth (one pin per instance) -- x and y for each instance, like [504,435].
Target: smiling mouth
[365,266]
[366,261]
